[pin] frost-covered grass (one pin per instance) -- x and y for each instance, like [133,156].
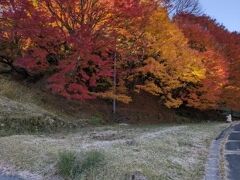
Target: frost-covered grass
[158,152]
[31,95]
[18,118]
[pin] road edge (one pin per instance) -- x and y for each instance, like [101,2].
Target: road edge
[213,166]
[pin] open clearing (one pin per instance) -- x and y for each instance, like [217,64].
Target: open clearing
[158,152]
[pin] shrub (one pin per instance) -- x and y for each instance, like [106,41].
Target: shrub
[93,159]
[67,164]
[71,167]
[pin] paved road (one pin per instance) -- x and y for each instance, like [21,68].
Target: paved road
[3,177]
[232,154]
[212,170]
[6,177]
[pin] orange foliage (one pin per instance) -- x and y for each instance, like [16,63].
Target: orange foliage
[168,64]
[208,94]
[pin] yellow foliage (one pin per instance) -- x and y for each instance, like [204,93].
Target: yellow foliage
[35,3]
[110,95]
[168,41]
[171,62]
[120,93]
[172,102]
[150,87]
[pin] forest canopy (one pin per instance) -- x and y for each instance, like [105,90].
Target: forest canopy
[79,47]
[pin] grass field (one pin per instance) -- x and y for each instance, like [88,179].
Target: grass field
[158,152]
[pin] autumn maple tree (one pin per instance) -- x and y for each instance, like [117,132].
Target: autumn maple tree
[79,37]
[78,46]
[168,64]
[208,94]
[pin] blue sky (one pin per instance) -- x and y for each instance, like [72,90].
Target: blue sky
[227,12]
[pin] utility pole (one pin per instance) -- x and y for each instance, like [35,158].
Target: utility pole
[114,83]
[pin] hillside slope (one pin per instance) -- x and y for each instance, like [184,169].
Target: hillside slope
[18,117]
[145,108]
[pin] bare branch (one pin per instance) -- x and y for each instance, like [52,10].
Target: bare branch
[183,6]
